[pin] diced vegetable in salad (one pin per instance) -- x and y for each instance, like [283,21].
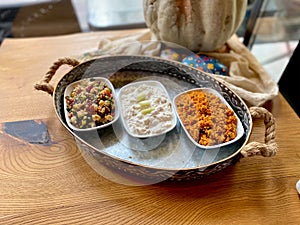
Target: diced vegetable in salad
[90,104]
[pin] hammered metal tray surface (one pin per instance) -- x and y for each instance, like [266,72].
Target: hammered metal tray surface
[171,152]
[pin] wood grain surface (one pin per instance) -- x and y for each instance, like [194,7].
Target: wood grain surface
[50,183]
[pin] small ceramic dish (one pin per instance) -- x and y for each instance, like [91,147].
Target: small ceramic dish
[207,118]
[90,104]
[146,109]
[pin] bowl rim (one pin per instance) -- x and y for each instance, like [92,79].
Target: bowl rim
[240,128]
[68,90]
[162,87]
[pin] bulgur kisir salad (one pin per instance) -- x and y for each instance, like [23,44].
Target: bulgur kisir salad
[206,118]
[91,103]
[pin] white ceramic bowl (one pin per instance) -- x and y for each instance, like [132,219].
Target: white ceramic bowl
[239,128]
[146,109]
[69,90]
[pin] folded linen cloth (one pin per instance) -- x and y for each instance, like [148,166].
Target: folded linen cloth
[247,77]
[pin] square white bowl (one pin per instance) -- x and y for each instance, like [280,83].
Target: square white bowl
[240,129]
[131,93]
[69,90]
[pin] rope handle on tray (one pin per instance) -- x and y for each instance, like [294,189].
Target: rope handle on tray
[269,148]
[44,85]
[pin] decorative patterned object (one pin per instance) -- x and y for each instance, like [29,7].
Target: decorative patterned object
[170,54]
[206,63]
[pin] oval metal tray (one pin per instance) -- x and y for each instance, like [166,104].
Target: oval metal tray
[171,156]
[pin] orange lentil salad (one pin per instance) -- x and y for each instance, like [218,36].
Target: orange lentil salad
[206,118]
[90,104]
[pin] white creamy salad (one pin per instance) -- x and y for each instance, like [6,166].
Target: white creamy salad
[146,109]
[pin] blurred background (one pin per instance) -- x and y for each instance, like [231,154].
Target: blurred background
[271,28]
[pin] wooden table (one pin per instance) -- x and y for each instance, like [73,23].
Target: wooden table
[52,184]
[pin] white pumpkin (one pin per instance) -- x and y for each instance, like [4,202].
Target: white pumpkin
[199,25]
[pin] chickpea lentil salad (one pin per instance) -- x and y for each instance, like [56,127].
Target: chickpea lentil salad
[90,103]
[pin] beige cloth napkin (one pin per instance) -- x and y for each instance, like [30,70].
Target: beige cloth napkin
[247,77]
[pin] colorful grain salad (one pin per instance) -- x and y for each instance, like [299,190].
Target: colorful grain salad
[146,108]
[91,103]
[207,119]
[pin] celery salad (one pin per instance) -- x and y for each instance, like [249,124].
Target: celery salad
[146,109]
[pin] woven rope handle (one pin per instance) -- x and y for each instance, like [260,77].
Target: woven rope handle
[44,85]
[269,148]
